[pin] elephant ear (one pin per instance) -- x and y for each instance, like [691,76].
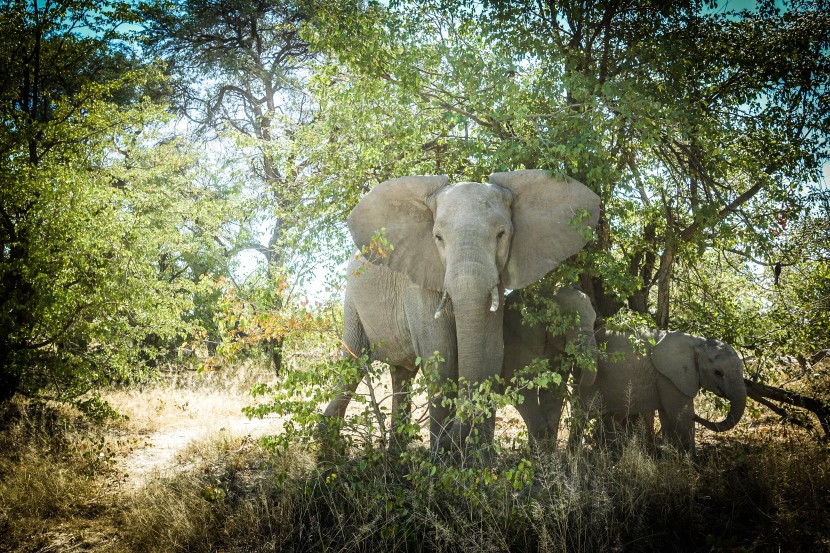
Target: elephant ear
[404,209]
[544,208]
[675,357]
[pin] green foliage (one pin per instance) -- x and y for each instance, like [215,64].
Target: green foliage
[774,322]
[538,307]
[101,238]
[536,376]
[237,71]
[656,110]
[703,130]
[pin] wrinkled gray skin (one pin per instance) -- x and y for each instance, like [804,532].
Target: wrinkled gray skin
[542,409]
[665,377]
[470,241]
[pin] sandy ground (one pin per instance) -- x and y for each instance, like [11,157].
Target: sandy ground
[161,453]
[164,420]
[169,421]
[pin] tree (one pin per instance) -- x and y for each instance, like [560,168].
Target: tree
[97,213]
[696,126]
[238,69]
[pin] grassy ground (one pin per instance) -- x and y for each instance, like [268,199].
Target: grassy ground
[69,486]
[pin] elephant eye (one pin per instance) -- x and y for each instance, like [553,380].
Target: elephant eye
[718,373]
[500,234]
[439,237]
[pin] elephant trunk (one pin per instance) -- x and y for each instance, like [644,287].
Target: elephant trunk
[737,404]
[478,321]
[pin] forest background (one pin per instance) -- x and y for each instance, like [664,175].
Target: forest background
[176,175]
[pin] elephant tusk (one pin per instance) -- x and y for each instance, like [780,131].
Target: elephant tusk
[441,305]
[494,299]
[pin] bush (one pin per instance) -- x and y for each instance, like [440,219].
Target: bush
[756,496]
[53,466]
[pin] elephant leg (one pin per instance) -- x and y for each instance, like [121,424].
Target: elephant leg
[641,426]
[585,406]
[430,336]
[578,423]
[677,417]
[356,343]
[442,381]
[534,415]
[442,395]
[401,401]
[522,345]
[647,419]
[678,429]
[551,401]
[606,431]
[441,413]
[337,406]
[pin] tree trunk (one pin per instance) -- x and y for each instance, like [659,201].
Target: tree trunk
[604,304]
[9,382]
[275,349]
[642,266]
[664,284]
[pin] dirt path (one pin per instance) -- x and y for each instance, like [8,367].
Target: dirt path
[159,454]
[167,452]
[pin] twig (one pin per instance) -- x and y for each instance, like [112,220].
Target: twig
[375,405]
[372,398]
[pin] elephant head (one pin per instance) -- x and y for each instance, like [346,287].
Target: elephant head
[692,363]
[471,241]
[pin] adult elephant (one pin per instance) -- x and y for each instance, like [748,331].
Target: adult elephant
[440,287]
[663,371]
[541,409]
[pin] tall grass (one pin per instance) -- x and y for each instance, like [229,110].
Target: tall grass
[60,489]
[753,496]
[53,467]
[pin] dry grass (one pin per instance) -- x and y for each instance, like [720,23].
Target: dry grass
[231,499]
[246,499]
[61,478]
[53,467]
[182,399]
[62,488]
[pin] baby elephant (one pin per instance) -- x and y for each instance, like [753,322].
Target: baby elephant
[664,371]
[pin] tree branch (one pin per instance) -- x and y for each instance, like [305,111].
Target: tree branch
[756,390]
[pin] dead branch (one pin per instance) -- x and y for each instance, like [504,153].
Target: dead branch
[762,393]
